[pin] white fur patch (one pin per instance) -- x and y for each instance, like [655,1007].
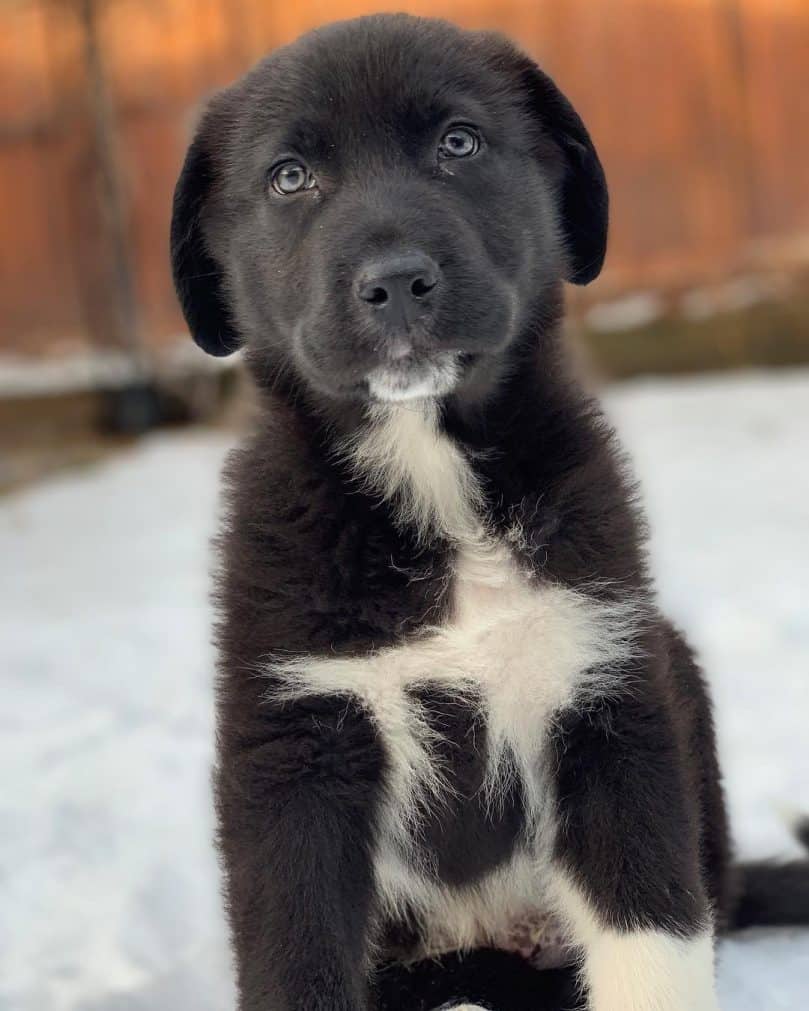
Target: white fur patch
[458,918]
[519,649]
[638,969]
[507,908]
[403,457]
[399,381]
[650,970]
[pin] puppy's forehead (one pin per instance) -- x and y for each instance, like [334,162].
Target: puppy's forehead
[374,74]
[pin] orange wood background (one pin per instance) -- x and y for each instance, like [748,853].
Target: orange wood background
[700,109]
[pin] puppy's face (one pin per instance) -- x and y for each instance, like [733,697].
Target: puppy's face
[381,209]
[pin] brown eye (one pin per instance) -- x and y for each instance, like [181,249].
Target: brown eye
[291,177]
[459,142]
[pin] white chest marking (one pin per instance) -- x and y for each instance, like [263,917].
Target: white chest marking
[520,650]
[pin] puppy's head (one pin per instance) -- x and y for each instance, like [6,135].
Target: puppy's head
[383,207]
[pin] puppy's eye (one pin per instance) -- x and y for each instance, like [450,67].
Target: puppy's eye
[291,177]
[459,142]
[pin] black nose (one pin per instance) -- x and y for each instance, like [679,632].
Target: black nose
[399,288]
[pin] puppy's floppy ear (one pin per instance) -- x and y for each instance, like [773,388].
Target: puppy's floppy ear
[198,278]
[584,201]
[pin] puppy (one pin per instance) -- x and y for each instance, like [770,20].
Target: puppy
[450,714]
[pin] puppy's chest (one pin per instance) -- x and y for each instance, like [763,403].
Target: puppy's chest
[465,798]
[508,644]
[508,654]
[505,645]
[512,649]
[467,823]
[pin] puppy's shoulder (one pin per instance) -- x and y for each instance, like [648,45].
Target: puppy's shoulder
[281,478]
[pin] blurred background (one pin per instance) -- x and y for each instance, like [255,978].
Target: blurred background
[113,427]
[698,108]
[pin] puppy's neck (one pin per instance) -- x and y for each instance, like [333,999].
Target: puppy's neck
[401,454]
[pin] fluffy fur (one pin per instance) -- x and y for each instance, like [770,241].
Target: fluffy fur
[462,757]
[514,652]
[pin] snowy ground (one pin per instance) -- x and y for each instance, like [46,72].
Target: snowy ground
[109,886]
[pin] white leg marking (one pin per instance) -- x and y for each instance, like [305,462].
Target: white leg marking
[650,970]
[639,969]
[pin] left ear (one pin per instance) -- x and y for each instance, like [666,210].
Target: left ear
[584,201]
[198,278]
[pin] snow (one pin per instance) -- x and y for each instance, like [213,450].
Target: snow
[109,884]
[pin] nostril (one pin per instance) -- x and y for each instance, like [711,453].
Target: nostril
[376,296]
[421,286]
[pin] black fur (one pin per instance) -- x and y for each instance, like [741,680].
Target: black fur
[492,979]
[197,275]
[314,563]
[463,838]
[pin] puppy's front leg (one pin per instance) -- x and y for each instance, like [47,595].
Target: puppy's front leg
[296,805]
[627,856]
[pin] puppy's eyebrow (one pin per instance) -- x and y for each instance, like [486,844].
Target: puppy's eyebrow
[427,112]
[443,106]
[308,138]
[416,119]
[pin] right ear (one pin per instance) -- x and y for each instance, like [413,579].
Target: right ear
[198,278]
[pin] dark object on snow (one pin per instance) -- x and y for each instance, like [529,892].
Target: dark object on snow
[133,409]
[773,893]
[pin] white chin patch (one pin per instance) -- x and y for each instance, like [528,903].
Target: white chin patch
[414,382]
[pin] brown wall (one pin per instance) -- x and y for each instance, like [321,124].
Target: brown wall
[698,108]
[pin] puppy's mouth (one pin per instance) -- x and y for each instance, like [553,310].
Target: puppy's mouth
[410,378]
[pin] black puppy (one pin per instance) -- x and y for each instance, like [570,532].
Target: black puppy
[451,716]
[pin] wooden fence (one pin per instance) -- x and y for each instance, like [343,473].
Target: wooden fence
[699,109]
